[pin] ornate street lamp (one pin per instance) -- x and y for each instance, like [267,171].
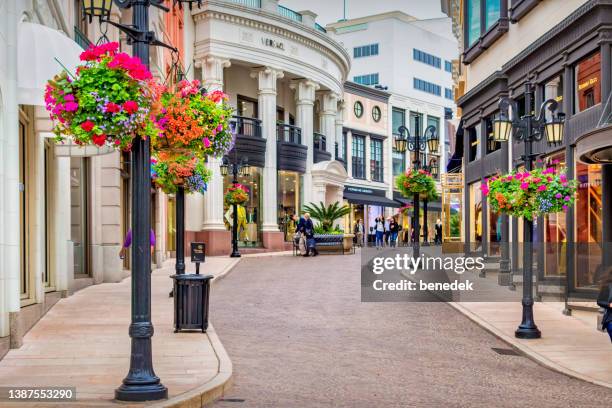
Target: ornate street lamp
[141,383]
[417,144]
[97,9]
[400,142]
[528,129]
[237,168]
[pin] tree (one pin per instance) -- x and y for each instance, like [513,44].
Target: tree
[327,215]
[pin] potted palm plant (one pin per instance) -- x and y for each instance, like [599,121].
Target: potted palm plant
[326,234]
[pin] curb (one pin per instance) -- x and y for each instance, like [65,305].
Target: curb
[525,350]
[217,386]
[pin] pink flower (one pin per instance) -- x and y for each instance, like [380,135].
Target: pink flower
[206,142]
[558,195]
[130,107]
[69,98]
[542,188]
[567,198]
[556,161]
[87,125]
[524,186]
[71,106]
[564,208]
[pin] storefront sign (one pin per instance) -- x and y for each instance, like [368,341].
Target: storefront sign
[364,190]
[587,83]
[269,42]
[198,252]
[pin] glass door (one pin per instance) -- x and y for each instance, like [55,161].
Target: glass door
[79,225]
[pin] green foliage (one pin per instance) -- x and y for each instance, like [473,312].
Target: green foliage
[455,225]
[417,182]
[530,194]
[326,215]
[318,229]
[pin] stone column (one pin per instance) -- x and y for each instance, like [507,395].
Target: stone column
[339,124]
[304,118]
[216,236]
[329,109]
[349,153]
[267,79]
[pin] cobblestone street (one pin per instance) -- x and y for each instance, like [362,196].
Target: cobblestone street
[298,336]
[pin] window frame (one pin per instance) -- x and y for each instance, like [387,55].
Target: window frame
[372,50]
[360,114]
[357,164]
[487,35]
[376,111]
[377,172]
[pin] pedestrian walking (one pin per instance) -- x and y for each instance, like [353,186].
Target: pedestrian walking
[438,237]
[358,231]
[393,231]
[604,300]
[299,238]
[387,231]
[311,246]
[379,228]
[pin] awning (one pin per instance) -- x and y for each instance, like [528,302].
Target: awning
[370,199]
[38,48]
[431,205]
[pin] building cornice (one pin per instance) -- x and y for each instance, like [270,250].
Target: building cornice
[226,11]
[496,76]
[366,91]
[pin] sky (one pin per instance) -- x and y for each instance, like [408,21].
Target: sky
[330,11]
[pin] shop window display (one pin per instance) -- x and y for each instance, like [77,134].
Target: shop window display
[249,214]
[555,231]
[588,224]
[289,201]
[475,216]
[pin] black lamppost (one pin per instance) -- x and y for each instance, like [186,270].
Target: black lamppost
[528,129]
[432,168]
[237,168]
[416,144]
[141,383]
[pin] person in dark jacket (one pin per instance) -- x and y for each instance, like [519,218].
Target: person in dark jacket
[604,300]
[311,247]
[393,230]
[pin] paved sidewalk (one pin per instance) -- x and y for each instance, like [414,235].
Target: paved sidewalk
[83,342]
[569,345]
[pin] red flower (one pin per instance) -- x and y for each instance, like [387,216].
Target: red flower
[99,139]
[87,125]
[217,96]
[112,107]
[130,106]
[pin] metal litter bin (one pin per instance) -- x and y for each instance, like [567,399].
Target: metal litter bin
[191,296]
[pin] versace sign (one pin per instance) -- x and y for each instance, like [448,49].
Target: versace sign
[269,42]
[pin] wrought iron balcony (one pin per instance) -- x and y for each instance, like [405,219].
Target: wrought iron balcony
[288,133]
[249,142]
[320,148]
[247,126]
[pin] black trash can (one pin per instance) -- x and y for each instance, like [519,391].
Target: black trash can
[191,295]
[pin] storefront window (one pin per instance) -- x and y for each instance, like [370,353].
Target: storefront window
[247,107]
[289,201]
[399,163]
[587,82]
[373,212]
[473,134]
[358,152]
[250,214]
[475,215]
[376,159]
[588,216]
[555,231]
[79,206]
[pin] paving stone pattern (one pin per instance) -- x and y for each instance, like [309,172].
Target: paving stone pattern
[299,336]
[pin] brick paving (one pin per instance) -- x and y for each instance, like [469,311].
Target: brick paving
[299,336]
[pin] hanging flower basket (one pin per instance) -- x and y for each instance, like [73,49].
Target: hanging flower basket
[107,102]
[237,194]
[172,169]
[417,182]
[194,120]
[530,194]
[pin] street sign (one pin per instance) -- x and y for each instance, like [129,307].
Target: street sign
[198,252]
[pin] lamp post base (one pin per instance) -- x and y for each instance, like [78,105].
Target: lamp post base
[527,332]
[139,392]
[235,254]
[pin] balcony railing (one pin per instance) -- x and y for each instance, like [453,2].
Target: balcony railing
[290,14]
[248,3]
[320,141]
[288,133]
[247,126]
[81,38]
